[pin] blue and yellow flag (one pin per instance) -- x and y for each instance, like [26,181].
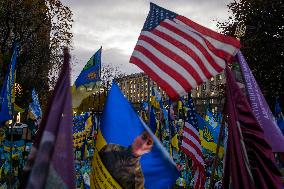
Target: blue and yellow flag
[35,105]
[207,137]
[174,142]
[87,82]
[155,98]
[91,71]
[213,122]
[210,119]
[120,127]
[6,105]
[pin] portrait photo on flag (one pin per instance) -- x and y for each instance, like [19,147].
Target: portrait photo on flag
[127,153]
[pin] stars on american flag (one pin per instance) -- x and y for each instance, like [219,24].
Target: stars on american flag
[179,54]
[156,15]
[191,117]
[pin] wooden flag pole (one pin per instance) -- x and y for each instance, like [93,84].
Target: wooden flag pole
[217,152]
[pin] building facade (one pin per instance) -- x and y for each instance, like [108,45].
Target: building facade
[136,88]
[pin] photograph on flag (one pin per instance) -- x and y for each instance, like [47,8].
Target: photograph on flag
[127,153]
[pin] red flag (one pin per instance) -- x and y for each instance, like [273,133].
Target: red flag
[191,146]
[249,159]
[180,54]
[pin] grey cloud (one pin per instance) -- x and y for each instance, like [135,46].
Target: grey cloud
[120,60]
[116,24]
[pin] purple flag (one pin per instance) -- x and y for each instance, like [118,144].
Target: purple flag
[249,163]
[260,108]
[53,165]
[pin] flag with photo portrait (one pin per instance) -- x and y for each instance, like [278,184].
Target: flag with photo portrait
[120,126]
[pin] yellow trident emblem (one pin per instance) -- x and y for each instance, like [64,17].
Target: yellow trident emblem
[207,135]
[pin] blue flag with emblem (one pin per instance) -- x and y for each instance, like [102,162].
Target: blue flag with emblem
[208,136]
[215,125]
[121,126]
[91,71]
[6,106]
[210,119]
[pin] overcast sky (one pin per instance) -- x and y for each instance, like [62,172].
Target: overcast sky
[116,24]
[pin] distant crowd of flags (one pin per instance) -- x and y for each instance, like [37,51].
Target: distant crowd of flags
[180,127]
[162,118]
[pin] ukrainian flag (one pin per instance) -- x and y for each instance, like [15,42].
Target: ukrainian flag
[121,125]
[207,137]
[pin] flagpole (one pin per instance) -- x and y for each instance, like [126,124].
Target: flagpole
[217,152]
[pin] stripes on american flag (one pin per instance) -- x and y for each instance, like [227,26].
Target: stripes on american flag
[180,54]
[191,146]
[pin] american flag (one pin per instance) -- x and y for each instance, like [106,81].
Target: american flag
[191,146]
[179,54]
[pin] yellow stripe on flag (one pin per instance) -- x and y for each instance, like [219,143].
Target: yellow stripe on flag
[174,142]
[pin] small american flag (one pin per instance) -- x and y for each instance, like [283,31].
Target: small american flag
[191,146]
[179,54]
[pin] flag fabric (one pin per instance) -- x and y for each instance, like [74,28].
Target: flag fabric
[52,151]
[35,106]
[171,112]
[153,122]
[155,98]
[145,106]
[278,115]
[91,71]
[208,136]
[191,146]
[214,124]
[210,119]
[260,108]
[6,105]
[165,116]
[249,159]
[277,108]
[174,142]
[179,54]
[121,125]
[87,82]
